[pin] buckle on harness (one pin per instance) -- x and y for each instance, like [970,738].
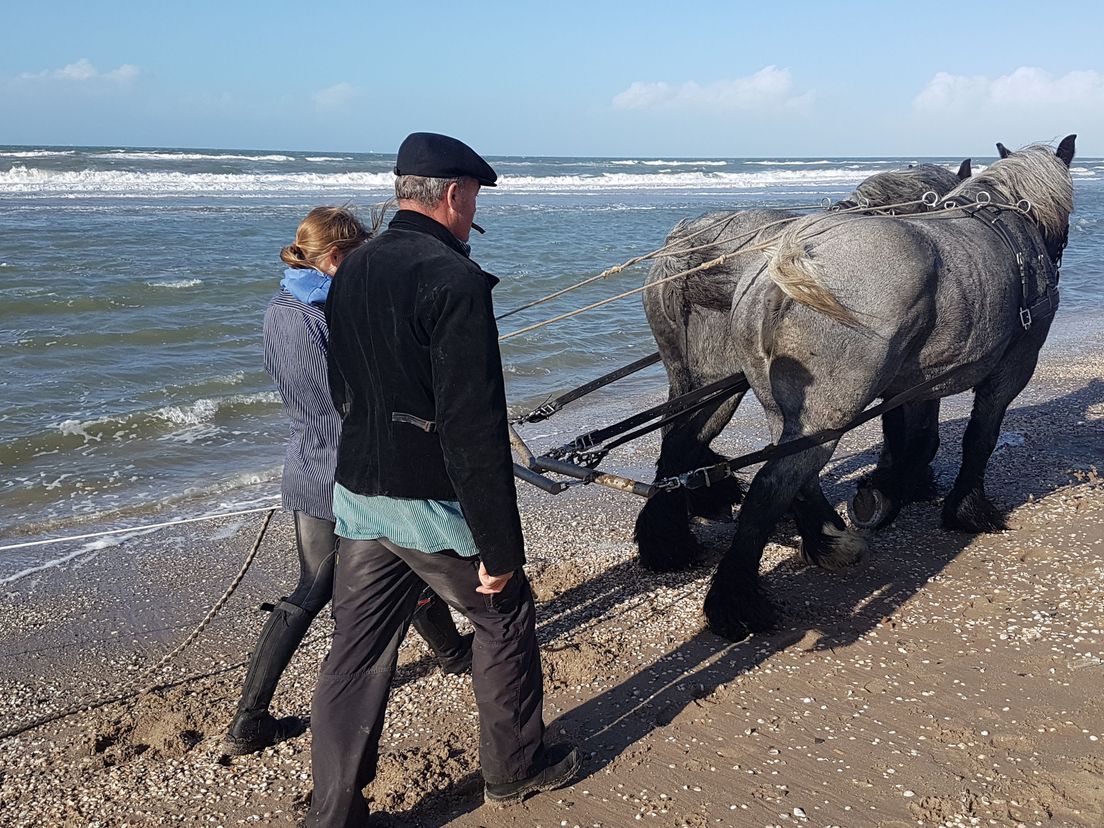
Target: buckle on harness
[696,479]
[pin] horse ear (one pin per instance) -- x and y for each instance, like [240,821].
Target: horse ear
[964,170]
[1002,150]
[1065,149]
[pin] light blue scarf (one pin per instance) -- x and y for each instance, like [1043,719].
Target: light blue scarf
[308,286]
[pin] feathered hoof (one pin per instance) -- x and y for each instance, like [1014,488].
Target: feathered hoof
[973,513]
[663,535]
[833,549]
[736,614]
[715,502]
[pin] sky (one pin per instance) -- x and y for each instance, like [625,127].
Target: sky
[729,79]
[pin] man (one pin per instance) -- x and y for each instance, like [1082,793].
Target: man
[425,489]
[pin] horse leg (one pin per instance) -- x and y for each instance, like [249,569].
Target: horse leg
[826,541]
[736,605]
[923,445]
[910,441]
[662,531]
[967,508]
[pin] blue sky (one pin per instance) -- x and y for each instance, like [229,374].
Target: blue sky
[564,78]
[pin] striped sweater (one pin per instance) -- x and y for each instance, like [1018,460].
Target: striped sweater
[295,345]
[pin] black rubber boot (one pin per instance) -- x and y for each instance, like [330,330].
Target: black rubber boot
[433,622]
[254,728]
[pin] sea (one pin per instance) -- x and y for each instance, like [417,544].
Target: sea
[133,282]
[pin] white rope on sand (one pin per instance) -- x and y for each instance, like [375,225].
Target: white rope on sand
[141,685]
[143,528]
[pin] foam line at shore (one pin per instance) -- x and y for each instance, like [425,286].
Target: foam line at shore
[125,533]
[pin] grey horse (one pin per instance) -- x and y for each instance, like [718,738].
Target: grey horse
[691,324]
[847,309]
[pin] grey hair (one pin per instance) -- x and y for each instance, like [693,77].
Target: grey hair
[422,189]
[1033,174]
[902,186]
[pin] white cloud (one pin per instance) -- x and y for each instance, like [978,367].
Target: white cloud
[1027,88]
[770,87]
[84,71]
[338,96]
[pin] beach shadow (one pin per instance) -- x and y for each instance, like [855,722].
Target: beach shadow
[817,610]
[1079,442]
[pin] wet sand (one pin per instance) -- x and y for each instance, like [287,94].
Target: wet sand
[949,680]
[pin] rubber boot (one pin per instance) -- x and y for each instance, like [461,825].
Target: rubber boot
[254,728]
[433,622]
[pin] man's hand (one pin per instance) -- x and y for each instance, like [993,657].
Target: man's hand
[491,584]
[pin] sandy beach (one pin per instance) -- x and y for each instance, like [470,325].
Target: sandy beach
[950,680]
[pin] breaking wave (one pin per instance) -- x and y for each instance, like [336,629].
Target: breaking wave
[22,179]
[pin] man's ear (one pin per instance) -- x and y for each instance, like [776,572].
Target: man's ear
[452,194]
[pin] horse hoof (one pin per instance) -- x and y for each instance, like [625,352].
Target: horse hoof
[868,508]
[834,548]
[735,616]
[974,513]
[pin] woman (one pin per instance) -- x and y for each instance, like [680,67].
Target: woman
[295,346]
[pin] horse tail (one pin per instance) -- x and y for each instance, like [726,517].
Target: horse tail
[798,275]
[666,298]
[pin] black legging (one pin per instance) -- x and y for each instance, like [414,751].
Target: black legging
[317,545]
[292,616]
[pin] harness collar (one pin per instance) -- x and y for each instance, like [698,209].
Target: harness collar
[989,213]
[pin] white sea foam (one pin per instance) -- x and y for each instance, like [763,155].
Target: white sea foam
[186,156]
[787,163]
[35,153]
[201,411]
[75,428]
[661,163]
[328,158]
[176,283]
[204,409]
[22,179]
[681,180]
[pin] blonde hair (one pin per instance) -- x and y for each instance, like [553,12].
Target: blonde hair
[323,230]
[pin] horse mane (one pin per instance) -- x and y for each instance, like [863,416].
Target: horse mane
[1034,174]
[902,186]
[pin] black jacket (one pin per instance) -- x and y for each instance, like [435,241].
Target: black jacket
[412,332]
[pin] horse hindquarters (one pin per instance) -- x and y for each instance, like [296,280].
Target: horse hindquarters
[967,508]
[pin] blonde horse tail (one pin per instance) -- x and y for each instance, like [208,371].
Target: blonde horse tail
[797,274]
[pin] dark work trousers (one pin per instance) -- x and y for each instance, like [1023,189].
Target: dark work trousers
[292,616]
[376,588]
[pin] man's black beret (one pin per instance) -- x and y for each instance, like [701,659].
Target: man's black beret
[439,156]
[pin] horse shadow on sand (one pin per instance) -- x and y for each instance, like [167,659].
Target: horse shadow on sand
[821,609]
